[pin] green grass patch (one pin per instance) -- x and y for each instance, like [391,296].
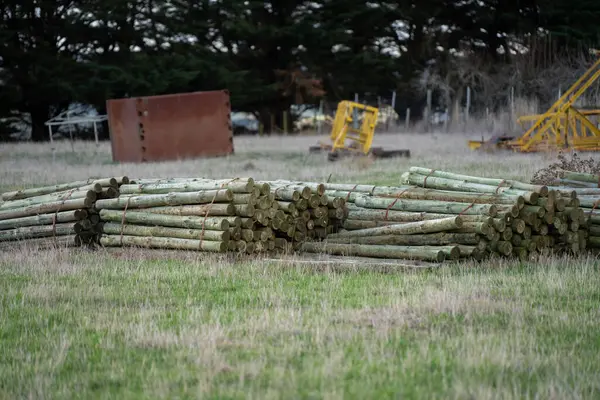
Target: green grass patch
[108,327]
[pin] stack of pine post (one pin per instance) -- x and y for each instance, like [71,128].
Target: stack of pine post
[60,214]
[305,211]
[439,216]
[552,219]
[221,215]
[587,188]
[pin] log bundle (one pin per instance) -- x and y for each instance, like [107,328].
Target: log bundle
[438,215]
[431,216]
[55,215]
[238,215]
[587,188]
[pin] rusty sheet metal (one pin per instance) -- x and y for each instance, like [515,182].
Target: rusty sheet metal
[170,127]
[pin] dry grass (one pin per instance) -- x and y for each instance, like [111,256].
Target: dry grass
[268,158]
[140,324]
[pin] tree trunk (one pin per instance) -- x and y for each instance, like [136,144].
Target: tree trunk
[39,131]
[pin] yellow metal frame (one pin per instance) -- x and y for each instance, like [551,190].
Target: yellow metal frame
[563,126]
[342,129]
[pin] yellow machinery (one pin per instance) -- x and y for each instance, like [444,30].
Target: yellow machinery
[352,132]
[562,126]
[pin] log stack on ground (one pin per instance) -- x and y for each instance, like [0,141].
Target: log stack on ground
[437,213]
[433,216]
[587,188]
[55,215]
[224,215]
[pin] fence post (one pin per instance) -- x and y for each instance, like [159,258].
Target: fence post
[512,108]
[393,105]
[446,118]
[428,111]
[319,116]
[407,120]
[468,107]
[96,134]
[355,113]
[272,124]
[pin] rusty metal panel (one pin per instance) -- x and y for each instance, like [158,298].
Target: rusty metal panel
[123,127]
[171,127]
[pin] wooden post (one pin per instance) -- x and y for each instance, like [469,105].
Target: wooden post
[285,123]
[355,113]
[52,143]
[394,108]
[428,111]
[512,108]
[320,115]
[407,120]
[446,118]
[96,133]
[272,124]
[468,106]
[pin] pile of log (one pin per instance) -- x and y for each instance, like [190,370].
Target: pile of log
[432,216]
[55,215]
[439,215]
[240,215]
[587,188]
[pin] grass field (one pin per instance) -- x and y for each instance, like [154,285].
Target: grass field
[148,324]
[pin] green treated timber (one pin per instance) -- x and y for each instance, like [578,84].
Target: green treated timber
[367,214]
[418,193]
[36,209]
[433,206]
[470,252]
[114,228]
[536,210]
[286,194]
[589,201]
[43,219]
[43,242]
[481,228]
[499,224]
[168,199]
[238,186]
[304,191]
[440,183]
[541,189]
[506,235]
[221,209]
[521,253]
[336,213]
[163,243]
[581,177]
[391,252]
[335,201]
[49,198]
[89,184]
[411,228]
[31,232]
[431,239]
[176,221]
[316,187]
[349,197]
[244,198]
[502,247]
